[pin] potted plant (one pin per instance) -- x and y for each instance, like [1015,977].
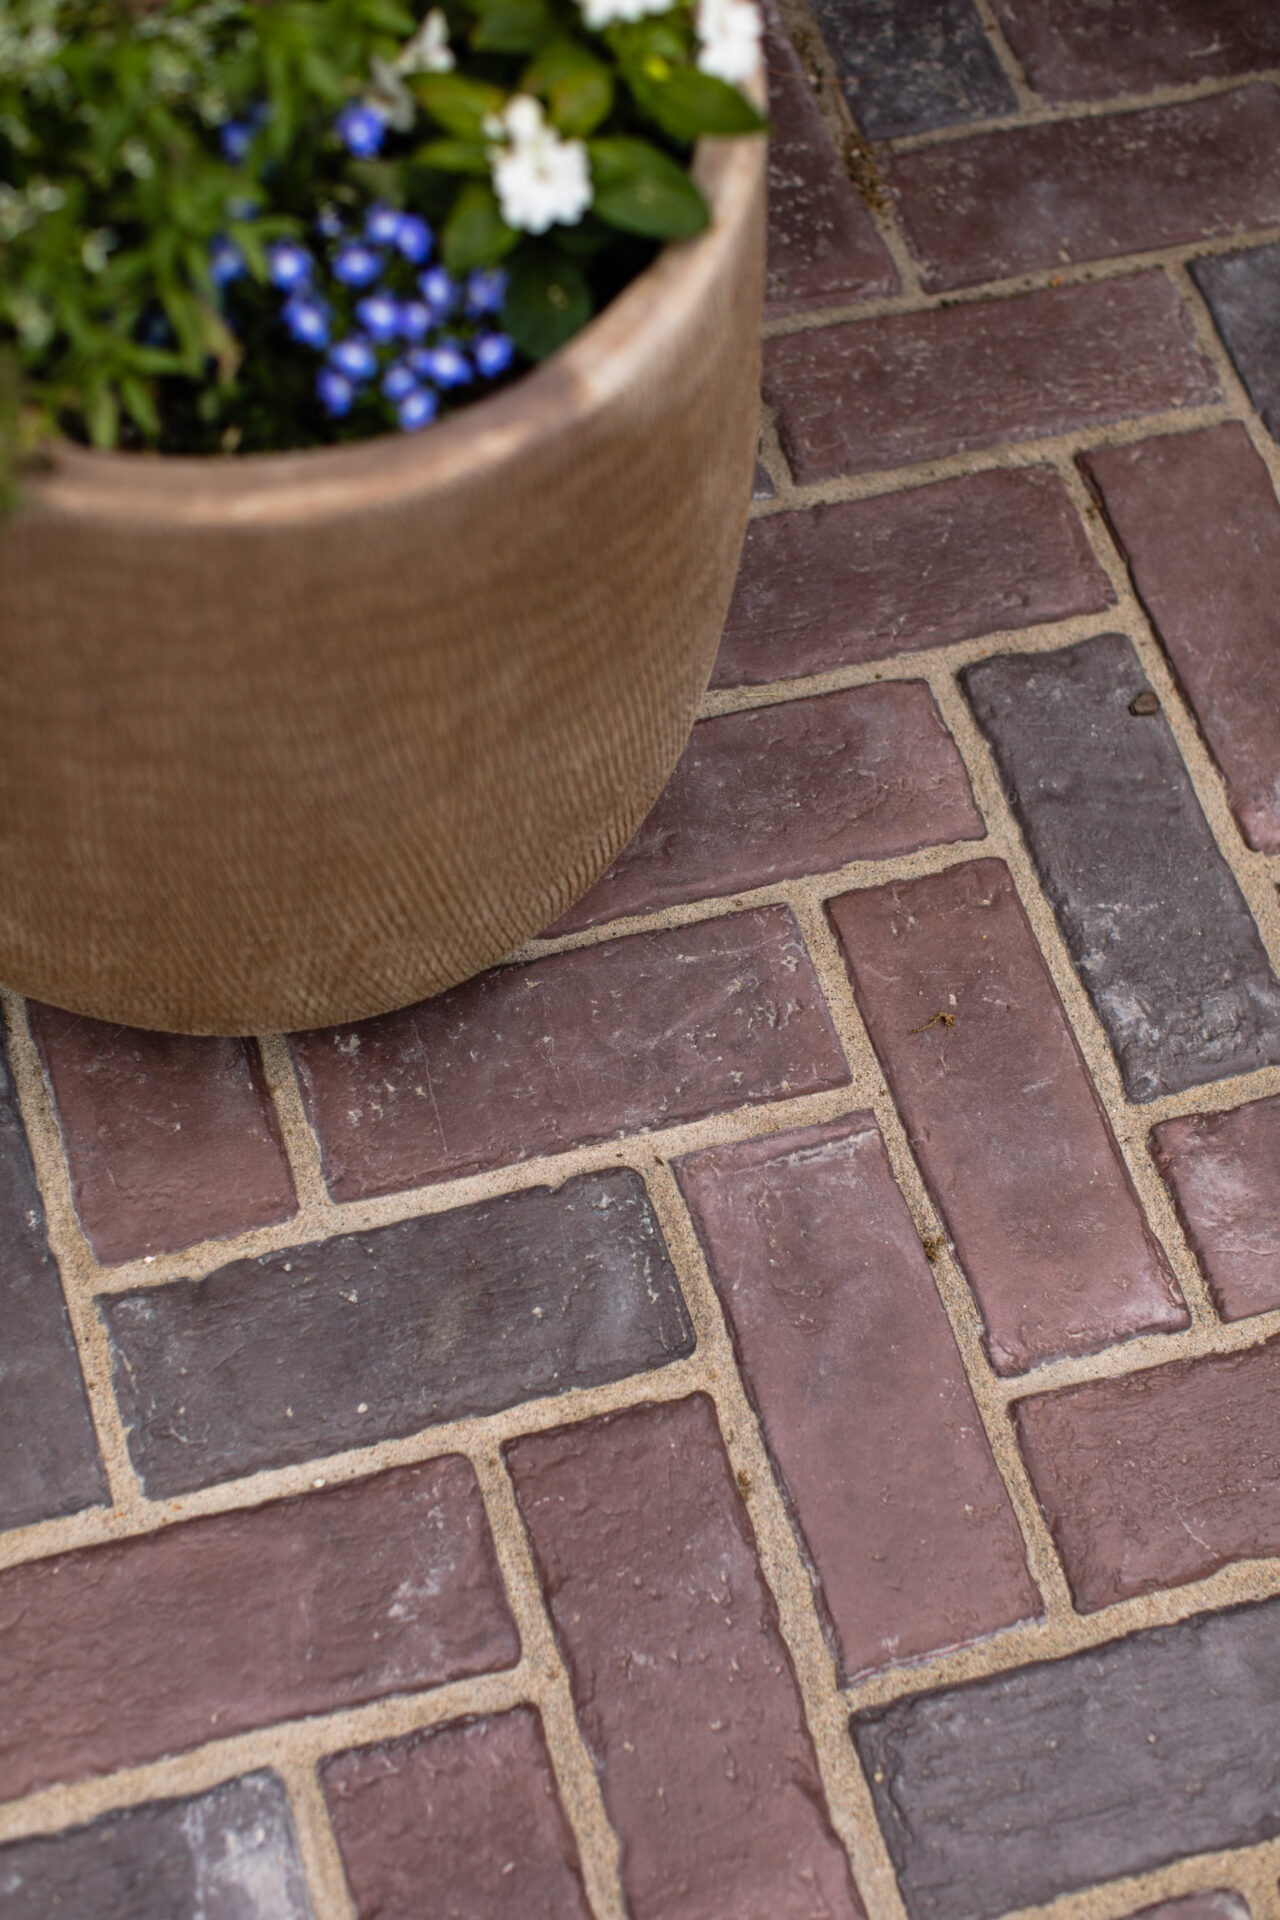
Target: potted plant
[321,688]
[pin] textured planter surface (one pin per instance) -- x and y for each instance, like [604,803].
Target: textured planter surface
[301,738]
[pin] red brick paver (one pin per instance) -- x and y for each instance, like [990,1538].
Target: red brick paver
[1077,50]
[1224,1169]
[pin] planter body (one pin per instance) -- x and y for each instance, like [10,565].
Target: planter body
[300,738]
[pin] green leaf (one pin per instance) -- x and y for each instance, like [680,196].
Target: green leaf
[454,156]
[688,104]
[577,87]
[460,105]
[547,302]
[140,406]
[644,191]
[511,26]
[102,417]
[475,234]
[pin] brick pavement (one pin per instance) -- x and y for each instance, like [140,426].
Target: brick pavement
[767,1407]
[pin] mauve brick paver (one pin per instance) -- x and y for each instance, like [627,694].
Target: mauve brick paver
[1219,1905]
[683,1686]
[229,1854]
[867,579]
[49,1462]
[800,787]
[459,1823]
[1224,1170]
[1152,914]
[823,243]
[1080,50]
[169,1139]
[852,1365]
[908,387]
[983,209]
[1243,291]
[906,68]
[1198,521]
[377,1334]
[1002,1116]
[115,1655]
[1010,1791]
[1159,1477]
[587,1045]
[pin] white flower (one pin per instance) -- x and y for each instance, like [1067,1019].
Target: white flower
[388,95]
[539,178]
[599,14]
[729,33]
[428,51]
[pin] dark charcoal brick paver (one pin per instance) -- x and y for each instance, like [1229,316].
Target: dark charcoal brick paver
[1011,202]
[115,1655]
[1224,1169]
[230,1854]
[852,1365]
[1243,291]
[800,787]
[907,387]
[378,1334]
[1159,1477]
[1078,50]
[905,69]
[1011,1791]
[49,1462]
[1002,1115]
[460,1821]
[867,579]
[823,243]
[1218,1905]
[169,1139]
[1150,911]
[637,1033]
[1199,524]
[762,487]
[682,1683]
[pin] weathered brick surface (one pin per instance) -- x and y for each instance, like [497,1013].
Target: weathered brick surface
[823,243]
[1199,523]
[867,579]
[608,1040]
[1078,50]
[49,1461]
[978,209]
[1176,971]
[1243,291]
[800,787]
[377,1334]
[1224,1169]
[1159,1477]
[905,387]
[905,69]
[463,1820]
[682,1684]
[1011,1791]
[1002,1115]
[169,1139]
[762,487]
[851,1362]
[229,1854]
[114,1655]
[1218,1905]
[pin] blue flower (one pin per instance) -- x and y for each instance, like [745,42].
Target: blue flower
[382,226]
[417,409]
[242,209]
[329,224]
[398,382]
[414,239]
[486,291]
[336,392]
[361,130]
[226,262]
[494,353]
[354,357]
[290,265]
[235,137]
[307,320]
[446,364]
[379,315]
[415,320]
[438,289]
[357,265]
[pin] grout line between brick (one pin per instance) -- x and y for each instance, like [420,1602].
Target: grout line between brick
[300,1143]
[331,1896]
[1029,101]
[1249,1871]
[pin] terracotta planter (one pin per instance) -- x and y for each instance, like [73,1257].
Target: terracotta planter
[299,738]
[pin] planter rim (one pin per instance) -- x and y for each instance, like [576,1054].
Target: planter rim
[166,490]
